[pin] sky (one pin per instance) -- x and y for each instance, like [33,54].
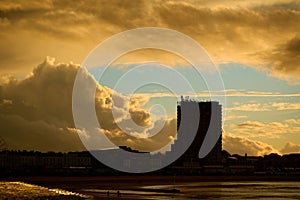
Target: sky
[255,46]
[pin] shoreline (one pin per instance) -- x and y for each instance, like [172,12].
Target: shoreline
[98,186]
[140,180]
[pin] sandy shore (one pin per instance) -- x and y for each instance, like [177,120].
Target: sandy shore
[89,184]
[140,180]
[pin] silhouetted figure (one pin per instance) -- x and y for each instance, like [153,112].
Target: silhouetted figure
[107,193]
[118,193]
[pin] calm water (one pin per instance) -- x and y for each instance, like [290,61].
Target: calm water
[214,190]
[201,190]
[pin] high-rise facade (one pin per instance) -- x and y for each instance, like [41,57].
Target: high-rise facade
[209,121]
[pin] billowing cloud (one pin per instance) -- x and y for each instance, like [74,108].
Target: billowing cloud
[36,113]
[242,145]
[284,60]
[290,147]
[261,34]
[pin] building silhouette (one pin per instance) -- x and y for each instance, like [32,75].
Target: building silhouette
[216,162]
[190,160]
[188,163]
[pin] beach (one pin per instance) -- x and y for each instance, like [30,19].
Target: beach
[164,187]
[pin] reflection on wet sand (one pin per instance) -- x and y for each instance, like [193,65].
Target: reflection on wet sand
[20,190]
[225,190]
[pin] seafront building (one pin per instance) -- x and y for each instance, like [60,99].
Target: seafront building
[196,122]
[210,118]
[202,120]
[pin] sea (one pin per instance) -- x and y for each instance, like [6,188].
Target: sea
[196,190]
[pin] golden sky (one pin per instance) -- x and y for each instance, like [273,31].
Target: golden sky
[262,33]
[263,36]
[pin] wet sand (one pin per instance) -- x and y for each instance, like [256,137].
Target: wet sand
[21,190]
[134,180]
[97,186]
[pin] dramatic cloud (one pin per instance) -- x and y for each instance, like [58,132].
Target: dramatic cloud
[36,113]
[242,145]
[284,60]
[261,34]
[264,35]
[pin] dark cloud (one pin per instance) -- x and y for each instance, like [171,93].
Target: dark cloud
[285,60]
[254,33]
[36,113]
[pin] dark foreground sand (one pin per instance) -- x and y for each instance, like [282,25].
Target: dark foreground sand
[88,185]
